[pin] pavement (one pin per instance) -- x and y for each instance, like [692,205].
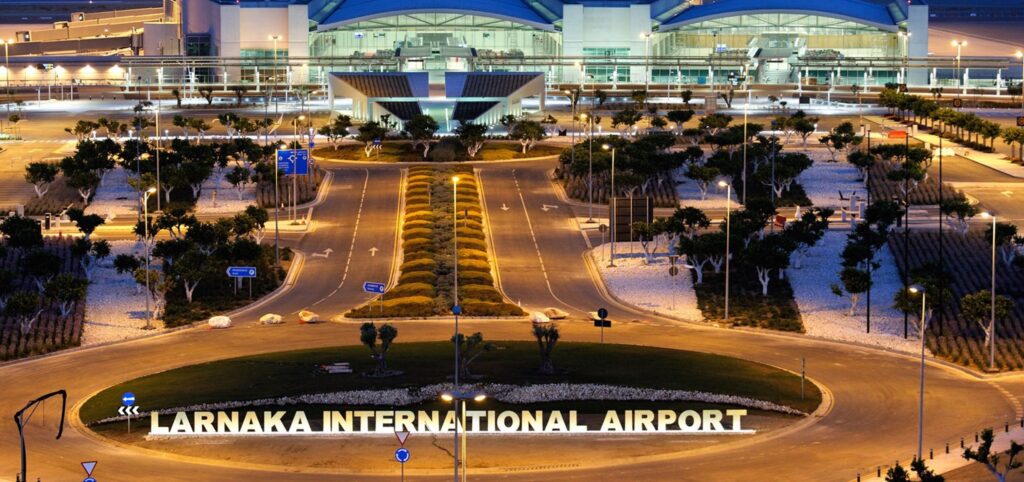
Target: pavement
[540,260]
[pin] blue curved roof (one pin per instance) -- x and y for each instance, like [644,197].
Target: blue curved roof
[874,14]
[349,11]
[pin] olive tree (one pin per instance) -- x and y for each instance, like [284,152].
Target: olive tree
[369,334]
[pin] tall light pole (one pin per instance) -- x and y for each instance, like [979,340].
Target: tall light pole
[611,213]
[746,138]
[145,233]
[275,38]
[157,151]
[460,399]
[456,310]
[295,187]
[1020,55]
[572,105]
[728,228]
[590,176]
[992,320]
[647,60]
[920,414]
[905,37]
[7,71]
[959,44]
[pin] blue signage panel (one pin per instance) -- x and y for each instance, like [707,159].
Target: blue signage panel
[402,455]
[293,161]
[241,271]
[371,287]
[128,399]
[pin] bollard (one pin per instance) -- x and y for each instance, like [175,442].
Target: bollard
[961,442]
[879,474]
[858,476]
[931,454]
[1022,423]
[947,447]
[1007,429]
[975,437]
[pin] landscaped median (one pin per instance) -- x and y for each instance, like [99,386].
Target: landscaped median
[591,381]
[427,277]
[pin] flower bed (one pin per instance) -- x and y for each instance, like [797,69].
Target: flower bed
[428,269]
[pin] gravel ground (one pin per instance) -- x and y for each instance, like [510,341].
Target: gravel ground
[226,195]
[825,179]
[689,194]
[825,314]
[648,286]
[114,310]
[114,197]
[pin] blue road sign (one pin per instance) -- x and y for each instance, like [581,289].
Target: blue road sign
[371,287]
[376,141]
[602,313]
[128,399]
[456,310]
[311,145]
[89,479]
[293,161]
[402,455]
[241,271]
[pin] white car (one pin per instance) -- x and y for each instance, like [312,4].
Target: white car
[306,316]
[538,318]
[555,314]
[218,322]
[271,319]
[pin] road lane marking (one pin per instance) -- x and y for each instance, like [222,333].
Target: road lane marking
[352,246]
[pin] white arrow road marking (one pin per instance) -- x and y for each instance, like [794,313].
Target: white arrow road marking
[547,207]
[326,254]
[373,251]
[504,207]
[1007,193]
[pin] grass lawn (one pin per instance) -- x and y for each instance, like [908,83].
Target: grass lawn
[777,311]
[403,152]
[294,373]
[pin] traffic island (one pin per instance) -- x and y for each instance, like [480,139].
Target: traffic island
[619,393]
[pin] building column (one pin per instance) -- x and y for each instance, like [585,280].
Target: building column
[917,45]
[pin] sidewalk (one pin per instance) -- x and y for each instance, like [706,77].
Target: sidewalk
[991,160]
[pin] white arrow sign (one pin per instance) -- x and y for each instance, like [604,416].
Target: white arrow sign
[1007,193]
[504,207]
[133,410]
[373,251]
[327,253]
[547,207]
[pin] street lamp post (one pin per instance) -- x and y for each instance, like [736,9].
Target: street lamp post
[295,177]
[273,87]
[456,310]
[746,108]
[959,44]
[992,320]
[460,399]
[572,106]
[1020,55]
[611,213]
[647,61]
[728,227]
[590,166]
[157,152]
[145,233]
[920,414]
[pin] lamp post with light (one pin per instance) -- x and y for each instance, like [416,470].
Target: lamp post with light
[992,320]
[916,289]
[647,60]
[589,118]
[460,399]
[611,210]
[1020,55]
[456,310]
[728,228]
[145,232]
[959,44]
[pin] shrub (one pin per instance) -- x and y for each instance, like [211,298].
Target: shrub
[474,265]
[418,277]
[472,243]
[490,308]
[419,264]
[419,215]
[410,289]
[469,233]
[419,223]
[397,307]
[472,254]
[411,208]
[444,151]
[416,199]
[480,292]
[475,277]
[417,244]
[417,233]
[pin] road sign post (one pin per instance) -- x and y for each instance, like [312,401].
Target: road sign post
[128,408]
[378,289]
[402,455]
[602,321]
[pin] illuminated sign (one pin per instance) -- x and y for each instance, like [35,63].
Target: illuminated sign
[375,422]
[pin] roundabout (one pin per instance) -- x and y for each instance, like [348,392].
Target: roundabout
[607,405]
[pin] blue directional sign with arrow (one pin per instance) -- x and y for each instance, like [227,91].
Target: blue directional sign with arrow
[371,287]
[293,161]
[128,399]
[241,271]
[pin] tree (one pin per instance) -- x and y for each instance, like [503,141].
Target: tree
[983,455]
[159,285]
[703,249]
[177,96]
[855,282]
[421,128]
[257,218]
[788,167]
[601,97]
[175,220]
[977,307]
[804,126]
[22,232]
[336,130]
[239,178]
[713,123]
[6,287]
[863,161]
[1008,241]
[648,233]
[527,132]
[369,133]
[82,129]
[704,176]
[369,334]
[239,91]
[924,474]
[470,348]
[690,221]
[767,254]
[959,211]
[687,96]
[40,175]
[936,283]
[87,223]
[897,474]
[807,231]
[679,117]
[840,138]
[89,253]
[658,122]
[547,336]
[190,269]
[627,118]
[472,136]
[207,93]
[84,182]
[42,266]
[66,289]
[23,306]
